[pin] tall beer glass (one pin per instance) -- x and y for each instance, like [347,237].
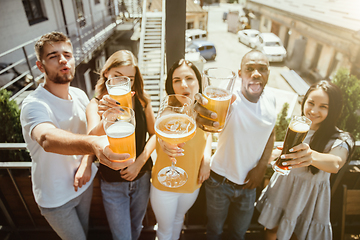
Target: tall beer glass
[295,134]
[119,126]
[174,124]
[119,88]
[217,86]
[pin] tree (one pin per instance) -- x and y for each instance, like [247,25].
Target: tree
[350,87]
[10,128]
[350,117]
[282,123]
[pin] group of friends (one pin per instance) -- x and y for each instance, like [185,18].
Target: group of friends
[64,134]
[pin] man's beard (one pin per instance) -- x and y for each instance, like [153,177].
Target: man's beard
[60,79]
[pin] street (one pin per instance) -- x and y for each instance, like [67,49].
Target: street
[230,52]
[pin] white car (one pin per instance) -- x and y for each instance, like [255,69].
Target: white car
[248,37]
[271,46]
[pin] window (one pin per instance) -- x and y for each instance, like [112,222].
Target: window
[189,25]
[266,22]
[316,55]
[34,11]
[209,47]
[201,48]
[272,44]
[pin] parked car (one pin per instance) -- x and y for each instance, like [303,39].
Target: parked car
[248,37]
[195,34]
[271,46]
[207,49]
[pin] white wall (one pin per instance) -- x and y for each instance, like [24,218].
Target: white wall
[15,29]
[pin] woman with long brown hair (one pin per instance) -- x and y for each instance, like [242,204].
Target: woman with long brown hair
[297,206]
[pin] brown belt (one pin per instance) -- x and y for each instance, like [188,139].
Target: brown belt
[222,179]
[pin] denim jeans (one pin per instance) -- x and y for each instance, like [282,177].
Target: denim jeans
[70,221]
[125,206]
[223,199]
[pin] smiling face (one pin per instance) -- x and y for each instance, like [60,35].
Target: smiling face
[184,81]
[254,73]
[58,62]
[128,71]
[316,107]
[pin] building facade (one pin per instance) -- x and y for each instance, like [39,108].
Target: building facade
[320,36]
[94,27]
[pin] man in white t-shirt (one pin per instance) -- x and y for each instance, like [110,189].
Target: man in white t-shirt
[54,127]
[244,148]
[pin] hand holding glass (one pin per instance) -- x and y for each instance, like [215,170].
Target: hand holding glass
[119,126]
[217,86]
[174,124]
[119,88]
[295,134]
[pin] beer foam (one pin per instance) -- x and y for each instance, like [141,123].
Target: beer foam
[299,127]
[217,94]
[118,91]
[120,130]
[179,121]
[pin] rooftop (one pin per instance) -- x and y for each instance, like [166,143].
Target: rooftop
[341,13]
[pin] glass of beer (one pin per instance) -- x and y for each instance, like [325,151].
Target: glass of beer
[217,86]
[175,123]
[295,134]
[119,126]
[119,88]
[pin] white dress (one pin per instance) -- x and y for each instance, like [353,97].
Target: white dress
[299,202]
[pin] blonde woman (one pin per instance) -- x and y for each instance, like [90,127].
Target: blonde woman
[126,192]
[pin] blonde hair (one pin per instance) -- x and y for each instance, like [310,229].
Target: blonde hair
[118,59]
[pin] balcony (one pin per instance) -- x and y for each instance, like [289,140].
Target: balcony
[20,217]
[22,75]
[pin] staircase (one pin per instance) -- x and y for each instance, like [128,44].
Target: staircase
[151,55]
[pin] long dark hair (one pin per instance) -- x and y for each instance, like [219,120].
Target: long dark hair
[327,128]
[169,83]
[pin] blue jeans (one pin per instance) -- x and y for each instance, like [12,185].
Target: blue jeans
[223,199]
[125,206]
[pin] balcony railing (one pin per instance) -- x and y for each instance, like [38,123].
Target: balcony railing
[20,211]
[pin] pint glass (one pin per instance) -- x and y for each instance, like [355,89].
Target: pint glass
[119,126]
[217,86]
[295,134]
[119,88]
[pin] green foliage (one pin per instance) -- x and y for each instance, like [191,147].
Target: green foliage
[282,123]
[350,86]
[10,128]
[350,117]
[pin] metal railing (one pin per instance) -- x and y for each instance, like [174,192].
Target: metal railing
[13,166]
[11,67]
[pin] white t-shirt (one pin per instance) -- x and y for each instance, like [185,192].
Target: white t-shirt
[243,140]
[53,174]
